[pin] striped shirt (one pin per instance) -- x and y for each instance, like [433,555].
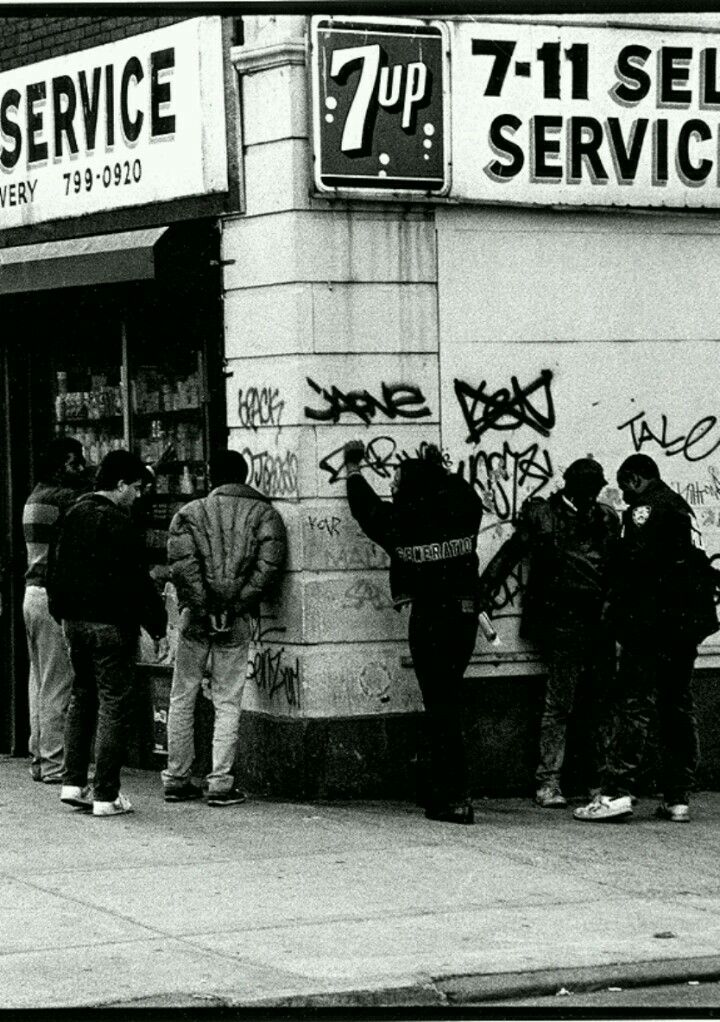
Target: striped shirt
[44,507]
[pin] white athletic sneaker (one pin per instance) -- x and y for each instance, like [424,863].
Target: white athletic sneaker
[72,795]
[116,808]
[679,813]
[603,808]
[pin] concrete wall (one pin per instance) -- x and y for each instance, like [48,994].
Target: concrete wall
[331,333]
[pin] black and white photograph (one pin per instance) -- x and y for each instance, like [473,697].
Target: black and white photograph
[360,507]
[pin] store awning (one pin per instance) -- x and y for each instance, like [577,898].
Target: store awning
[97,259]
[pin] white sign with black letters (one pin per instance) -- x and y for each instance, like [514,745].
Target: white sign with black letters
[572,115]
[128,123]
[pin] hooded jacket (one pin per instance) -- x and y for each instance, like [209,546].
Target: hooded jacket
[226,550]
[429,531]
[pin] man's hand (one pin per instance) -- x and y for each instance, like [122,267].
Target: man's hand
[354,452]
[162,648]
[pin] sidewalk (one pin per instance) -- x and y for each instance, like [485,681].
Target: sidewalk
[284,904]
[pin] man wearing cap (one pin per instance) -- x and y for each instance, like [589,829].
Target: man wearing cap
[658,620]
[569,539]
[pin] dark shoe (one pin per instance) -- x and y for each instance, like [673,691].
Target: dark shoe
[462,813]
[549,796]
[233,797]
[185,793]
[52,779]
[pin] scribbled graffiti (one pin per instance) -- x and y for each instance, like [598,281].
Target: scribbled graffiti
[399,400]
[329,524]
[698,492]
[363,594]
[276,475]
[260,406]
[381,456]
[507,600]
[507,408]
[506,478]
[354,554]
[699,442]
[271,668]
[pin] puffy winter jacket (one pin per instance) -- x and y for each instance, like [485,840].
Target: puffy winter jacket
[226,550]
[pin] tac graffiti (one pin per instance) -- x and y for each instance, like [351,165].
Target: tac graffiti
[399,400]
[507,408]
[699,442]
[275,474]
[274,672]
[506,478]
[260,406]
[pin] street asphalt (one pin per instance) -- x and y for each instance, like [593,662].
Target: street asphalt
[289,904]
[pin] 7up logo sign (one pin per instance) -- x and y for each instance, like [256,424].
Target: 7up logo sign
[378,105]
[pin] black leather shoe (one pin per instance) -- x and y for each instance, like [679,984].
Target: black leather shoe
[462,813]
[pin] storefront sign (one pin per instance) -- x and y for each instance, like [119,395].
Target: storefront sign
[129,123]
[548,114]
[378,105]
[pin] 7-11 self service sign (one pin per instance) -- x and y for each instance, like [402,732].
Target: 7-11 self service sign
[545,114]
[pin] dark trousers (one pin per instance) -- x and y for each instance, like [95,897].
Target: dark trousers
[583,663]
[655,676]
[103,658]
[442,638]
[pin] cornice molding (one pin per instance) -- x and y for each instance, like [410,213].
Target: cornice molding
[264,58]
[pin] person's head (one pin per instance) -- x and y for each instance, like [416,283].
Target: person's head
[583,480]
[227,467]
[121,477]
[414,477]
[635,475]
[63,461]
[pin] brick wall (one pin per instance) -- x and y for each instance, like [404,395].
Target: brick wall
[29,40]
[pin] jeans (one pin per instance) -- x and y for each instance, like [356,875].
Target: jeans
[103,659]
[657,675]
[570,664]
[225,661]
[442,638]
[48,685]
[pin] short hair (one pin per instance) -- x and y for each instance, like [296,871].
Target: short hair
[54,458]
[585,471]
[639,465]
[227,467]
[119,467]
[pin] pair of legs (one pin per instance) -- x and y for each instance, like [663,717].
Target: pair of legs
[224,660]
[587,659]
[48,686]
[101,704]
[442,638]
[655,675]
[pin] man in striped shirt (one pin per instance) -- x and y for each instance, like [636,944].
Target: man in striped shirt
[62,479]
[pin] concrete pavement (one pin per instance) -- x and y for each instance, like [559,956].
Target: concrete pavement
[274,903]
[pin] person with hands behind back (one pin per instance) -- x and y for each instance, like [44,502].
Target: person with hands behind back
[430,531]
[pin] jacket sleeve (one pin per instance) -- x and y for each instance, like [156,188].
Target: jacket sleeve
[372,514]
[185,567]
[270,559]
[510,553]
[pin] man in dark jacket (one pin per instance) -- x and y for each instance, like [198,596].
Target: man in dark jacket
[99,587]
[62,480]
[430,532]
[570,540]
[226,552]
[653,612]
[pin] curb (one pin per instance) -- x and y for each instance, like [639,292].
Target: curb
[489,988]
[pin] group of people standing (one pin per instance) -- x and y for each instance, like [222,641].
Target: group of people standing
[596,583]
[89,592]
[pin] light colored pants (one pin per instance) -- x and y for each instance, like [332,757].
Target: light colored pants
[226,662]
[48,686]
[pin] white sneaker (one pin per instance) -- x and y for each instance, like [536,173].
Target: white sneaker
[678,813]
[116,808]
[603,808]
[72,795]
